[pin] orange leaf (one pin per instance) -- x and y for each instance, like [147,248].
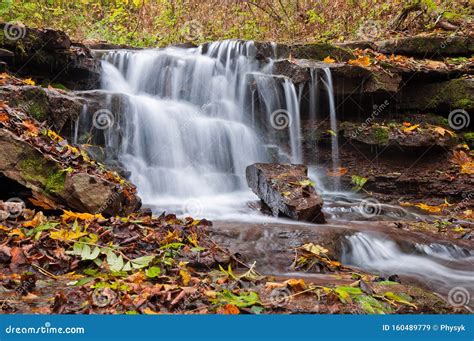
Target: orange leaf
[328,60]
[36,221]
[406,124]
[361,61]
[3,117]
[297,284]
[30,126]
[338,172]
[229,309]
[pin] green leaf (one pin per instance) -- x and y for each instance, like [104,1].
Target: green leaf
[83,281]
[359,182]
[399,299]
[345,293]
[153,272]
[142,262]
[115,262]
[370,305]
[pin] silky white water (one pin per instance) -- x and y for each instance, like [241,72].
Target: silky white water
[190,127]
[436,266]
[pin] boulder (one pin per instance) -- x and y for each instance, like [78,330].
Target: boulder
[48,54]
[286,190]
[58,173]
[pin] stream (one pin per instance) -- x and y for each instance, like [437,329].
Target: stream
[192,119]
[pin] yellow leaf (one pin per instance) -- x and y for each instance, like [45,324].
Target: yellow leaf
[467,168]
[314,249]
[148,311]
[29,81]
[4,228]
[185,276]
[328,60]
[54,136]
[17,232]
[70,216]
[297,284]
[66,235]
[410,128]
[361,61]
[429,208]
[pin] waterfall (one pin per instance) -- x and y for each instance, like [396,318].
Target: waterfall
[378,254]
[191,120]
[334,137]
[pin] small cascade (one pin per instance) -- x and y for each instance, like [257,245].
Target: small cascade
[384,256]
[334,138]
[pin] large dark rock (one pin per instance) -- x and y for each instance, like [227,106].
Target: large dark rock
[286,190]
[48,55]
[429,46]
[58,173]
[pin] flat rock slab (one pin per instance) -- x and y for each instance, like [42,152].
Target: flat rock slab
[286,190]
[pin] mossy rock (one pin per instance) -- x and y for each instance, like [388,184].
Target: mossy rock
[319,51]
[38,169]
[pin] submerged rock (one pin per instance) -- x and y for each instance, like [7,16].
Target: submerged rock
[286,190]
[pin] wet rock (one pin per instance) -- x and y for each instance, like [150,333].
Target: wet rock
[286,190]
[440,97]
[393,135]
[46,177]
[49,54]
[429,46]
[347,79]
[319,51]
[56,107]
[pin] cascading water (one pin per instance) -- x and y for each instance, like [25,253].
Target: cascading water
[332,115]
[436,266]
[189,125]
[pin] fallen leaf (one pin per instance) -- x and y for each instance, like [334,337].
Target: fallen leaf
[338,172]
[66,235]
[363,61]
[410,128]
[70,216]
[229,309]
[442,131]
[36,221]
[29,81]
[31,127]
[328,60]
[297,284]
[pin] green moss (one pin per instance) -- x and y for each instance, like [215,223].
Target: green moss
[55,182]
[41,171]
[464,103]
[469,136]
[379,134]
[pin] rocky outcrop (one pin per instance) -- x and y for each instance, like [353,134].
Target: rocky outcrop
[48,55]
[51,105]
[286,190]
[58,173]
[442,96]
[395,135]
[429,46]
